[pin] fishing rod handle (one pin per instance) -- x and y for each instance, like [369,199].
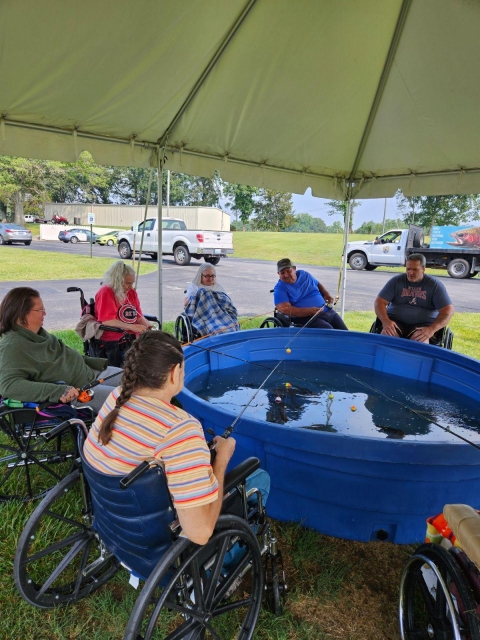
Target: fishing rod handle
[211,444]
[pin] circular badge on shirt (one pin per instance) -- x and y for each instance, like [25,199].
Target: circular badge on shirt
[128,313]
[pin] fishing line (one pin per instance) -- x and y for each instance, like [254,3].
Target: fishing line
[417,413]
[229,429]
[255,364]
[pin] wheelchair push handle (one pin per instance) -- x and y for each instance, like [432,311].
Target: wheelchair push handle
[126,481]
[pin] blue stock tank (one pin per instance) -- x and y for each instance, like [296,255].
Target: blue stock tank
[379,485]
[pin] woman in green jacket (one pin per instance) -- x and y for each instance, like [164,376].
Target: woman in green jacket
[35,366]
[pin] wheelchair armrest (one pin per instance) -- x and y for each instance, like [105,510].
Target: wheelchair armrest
[151,318]
[241,471]
[105,327]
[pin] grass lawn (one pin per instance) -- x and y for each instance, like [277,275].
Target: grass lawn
[19,265]
[338,589]
[323,249]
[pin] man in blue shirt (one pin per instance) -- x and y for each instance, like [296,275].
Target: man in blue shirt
[299,295]
[412,304]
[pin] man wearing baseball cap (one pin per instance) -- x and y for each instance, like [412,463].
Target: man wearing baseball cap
[299,295]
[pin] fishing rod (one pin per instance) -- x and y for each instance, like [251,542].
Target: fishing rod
[228,431]
[85,393]
[417,413]
[228,355]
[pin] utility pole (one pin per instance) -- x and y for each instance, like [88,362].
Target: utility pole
[384,214]
[168,193]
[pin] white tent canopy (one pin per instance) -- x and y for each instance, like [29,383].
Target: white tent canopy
[289,95]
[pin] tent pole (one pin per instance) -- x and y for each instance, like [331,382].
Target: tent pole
[344,257]
[143,228]
[160,234]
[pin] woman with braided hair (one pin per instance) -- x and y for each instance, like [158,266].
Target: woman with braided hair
[138,422]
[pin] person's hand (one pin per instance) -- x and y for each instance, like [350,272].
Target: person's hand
[224,448]
[138,328]
[422,334]
[390,328]
[68,395]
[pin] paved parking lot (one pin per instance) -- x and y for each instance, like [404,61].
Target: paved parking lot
[248,282]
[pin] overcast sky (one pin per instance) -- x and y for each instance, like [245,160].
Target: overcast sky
[369,209]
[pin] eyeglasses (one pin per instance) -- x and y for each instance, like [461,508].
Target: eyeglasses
[43,310]
[208,276]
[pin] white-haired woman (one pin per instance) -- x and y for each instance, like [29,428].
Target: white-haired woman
[206,278]
[117,305]
[208,306]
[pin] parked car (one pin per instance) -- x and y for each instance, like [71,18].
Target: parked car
[109,238]
[76,235]
[10,233]
[29,218]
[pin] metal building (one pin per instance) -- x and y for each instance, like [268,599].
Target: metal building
[123,215]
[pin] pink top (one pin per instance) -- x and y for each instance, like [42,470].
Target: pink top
[107,308]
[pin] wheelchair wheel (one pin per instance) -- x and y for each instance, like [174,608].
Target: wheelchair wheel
[29,465]
[275,582]
[183,329]
[59,559]
[435,598]
[197,601]
[271,323]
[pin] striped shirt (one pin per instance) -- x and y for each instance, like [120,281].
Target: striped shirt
[148,428]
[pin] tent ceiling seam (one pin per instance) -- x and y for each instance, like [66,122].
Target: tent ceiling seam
[206,72]
[340,176]
[380,89]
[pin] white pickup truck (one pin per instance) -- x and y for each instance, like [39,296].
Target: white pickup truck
[178,241]
[456,249]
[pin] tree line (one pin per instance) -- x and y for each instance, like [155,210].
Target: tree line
[26,184]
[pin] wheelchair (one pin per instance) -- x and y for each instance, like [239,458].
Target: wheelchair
[113,350]
[90,524]
[442,338]
[440,588]
[185,332]
[278,320]
[31,462]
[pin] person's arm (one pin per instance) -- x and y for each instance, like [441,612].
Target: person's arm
[326,296]
[299,312]
[137,327]
[425,333]
[198,523]
[389,326]
[14,384]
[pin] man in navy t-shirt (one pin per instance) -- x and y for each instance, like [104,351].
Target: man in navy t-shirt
[412,304]
[299,295]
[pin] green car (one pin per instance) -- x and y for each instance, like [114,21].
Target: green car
[109,238]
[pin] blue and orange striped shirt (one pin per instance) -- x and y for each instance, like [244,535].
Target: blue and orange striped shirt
[148,428]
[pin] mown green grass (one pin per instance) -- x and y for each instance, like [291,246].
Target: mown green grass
[19,265]
[323,249]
